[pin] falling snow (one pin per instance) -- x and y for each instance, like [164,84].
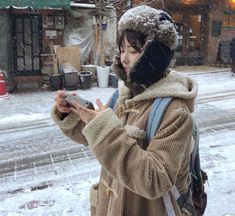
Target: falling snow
[52,176]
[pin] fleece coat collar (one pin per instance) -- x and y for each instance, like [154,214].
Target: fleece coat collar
[174,85]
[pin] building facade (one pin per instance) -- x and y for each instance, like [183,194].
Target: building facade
[205,28]
[30,32]
[26,29]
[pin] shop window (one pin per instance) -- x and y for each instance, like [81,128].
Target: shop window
[229,19]
[194,34]
[189,32]
[178,18]
[216,28]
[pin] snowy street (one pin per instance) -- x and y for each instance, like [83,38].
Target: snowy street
[44,173]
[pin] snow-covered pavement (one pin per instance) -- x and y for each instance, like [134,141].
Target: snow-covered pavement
[61,187]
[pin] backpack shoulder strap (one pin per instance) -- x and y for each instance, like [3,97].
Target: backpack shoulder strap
[155,117]
[195,149]
[113,99]
[156,114]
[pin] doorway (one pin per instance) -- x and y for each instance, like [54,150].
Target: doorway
[189,49]
[27,44]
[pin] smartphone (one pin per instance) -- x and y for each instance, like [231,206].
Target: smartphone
[86,103]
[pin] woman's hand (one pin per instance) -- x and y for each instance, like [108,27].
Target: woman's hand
[61,103]
[85,114]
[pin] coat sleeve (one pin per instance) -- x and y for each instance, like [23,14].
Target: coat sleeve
[71,126]
[149,173]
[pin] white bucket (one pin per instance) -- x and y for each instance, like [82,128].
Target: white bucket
[103,76]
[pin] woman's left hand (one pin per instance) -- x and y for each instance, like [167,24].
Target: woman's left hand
[86,115]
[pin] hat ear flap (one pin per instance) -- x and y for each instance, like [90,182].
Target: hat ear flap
[152,64]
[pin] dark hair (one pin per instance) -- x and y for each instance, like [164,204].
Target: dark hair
[136,40]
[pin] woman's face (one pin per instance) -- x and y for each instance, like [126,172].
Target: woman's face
[128,55]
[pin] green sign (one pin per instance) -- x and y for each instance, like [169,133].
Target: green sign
[216,28]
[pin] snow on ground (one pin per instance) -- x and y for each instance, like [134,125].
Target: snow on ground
[217,159]
[29,105]
[63,189]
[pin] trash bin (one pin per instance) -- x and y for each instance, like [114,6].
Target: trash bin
[91,68]
[103,76]
[85,79]
[71,80]
[56,82]
[114,80]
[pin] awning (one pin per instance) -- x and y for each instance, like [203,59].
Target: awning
[36,4]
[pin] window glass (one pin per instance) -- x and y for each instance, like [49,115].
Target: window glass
[229,20]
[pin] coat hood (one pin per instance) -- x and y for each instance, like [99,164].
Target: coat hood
[174,85]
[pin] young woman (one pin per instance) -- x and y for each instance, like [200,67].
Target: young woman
[137,173]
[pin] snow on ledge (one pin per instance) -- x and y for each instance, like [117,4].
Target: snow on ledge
[82,5]
[88,6]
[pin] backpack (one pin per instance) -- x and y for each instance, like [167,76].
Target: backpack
[195,200]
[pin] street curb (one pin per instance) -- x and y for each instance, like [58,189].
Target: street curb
[204,72]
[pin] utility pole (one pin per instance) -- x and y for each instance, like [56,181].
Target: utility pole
[100,52]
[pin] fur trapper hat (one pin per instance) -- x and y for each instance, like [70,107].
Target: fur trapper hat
[161,39]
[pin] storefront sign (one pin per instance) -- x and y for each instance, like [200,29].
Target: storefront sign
[51,34]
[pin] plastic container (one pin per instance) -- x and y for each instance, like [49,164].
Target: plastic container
[103,76]
[114,80]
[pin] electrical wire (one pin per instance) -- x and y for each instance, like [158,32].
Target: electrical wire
[146,2]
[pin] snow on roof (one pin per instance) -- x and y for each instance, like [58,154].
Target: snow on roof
[87,6]
[82,5]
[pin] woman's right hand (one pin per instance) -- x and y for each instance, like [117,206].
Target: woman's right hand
[61,103]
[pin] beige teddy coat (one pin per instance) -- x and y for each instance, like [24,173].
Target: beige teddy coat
[135,174]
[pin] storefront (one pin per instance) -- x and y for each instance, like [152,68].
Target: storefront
[31,31]
[205,28]
[192,25]
[25,31]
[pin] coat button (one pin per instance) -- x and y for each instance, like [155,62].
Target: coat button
[107,192]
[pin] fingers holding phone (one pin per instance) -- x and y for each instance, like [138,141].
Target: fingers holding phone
[61,104]
[100,105]
[74,98]
[67,102]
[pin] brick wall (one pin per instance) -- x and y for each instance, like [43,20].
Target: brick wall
[137,2]
[155,4]
[213,42]
[216,10]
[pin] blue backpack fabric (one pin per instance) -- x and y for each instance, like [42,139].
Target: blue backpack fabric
[114,99]
[198,176]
